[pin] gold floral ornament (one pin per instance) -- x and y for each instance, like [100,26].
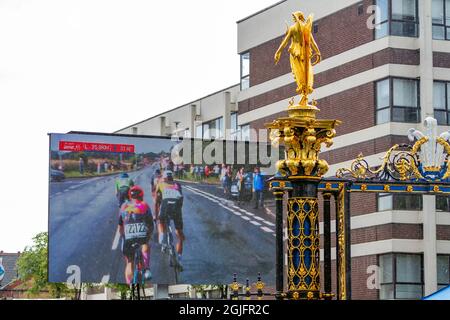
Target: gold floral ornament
[303,140]
[426,160]
[399,163]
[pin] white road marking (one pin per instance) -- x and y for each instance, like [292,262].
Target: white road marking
[259,218]
[58,193]
[248,213]
[267,229]
[228,205]
[116,240]
[269,223]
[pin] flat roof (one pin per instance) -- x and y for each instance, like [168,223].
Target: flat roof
[260,11]
[173,109]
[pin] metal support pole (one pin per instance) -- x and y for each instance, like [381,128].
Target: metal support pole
[348,245]
[338,258]
[343,243]
[327,245]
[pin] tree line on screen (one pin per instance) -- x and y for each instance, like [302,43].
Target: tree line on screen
[101,162]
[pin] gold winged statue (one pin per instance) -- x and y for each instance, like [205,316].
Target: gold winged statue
[304,53]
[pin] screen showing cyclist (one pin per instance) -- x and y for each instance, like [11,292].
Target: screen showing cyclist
[136,228]
[169,203]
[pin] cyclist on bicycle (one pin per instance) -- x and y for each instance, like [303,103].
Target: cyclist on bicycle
[123,185]
[156,178]
[169,203]
[136,228]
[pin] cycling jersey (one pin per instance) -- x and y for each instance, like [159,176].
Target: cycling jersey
[170,198]
[124,183]
[154,182]
[137,222]
[136,219]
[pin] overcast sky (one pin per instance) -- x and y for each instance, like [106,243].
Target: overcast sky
[98,65]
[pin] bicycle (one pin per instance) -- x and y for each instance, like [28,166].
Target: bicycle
[169,248]
[138,272]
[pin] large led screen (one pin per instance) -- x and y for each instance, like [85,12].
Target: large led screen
[114,218]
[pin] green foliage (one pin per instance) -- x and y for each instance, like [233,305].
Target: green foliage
[123,289]
[32,268]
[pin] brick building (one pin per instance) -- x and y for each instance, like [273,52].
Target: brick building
[380,82]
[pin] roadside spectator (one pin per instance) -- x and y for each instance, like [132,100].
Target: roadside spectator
[258,188]
[240,176]
[223,171]
[201,172]
[207,172]
[217,171]
[226,183]
[81,165]
[197,173]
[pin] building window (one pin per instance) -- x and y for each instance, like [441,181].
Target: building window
[134,130]
[443,203]
[441,19]
[245,132]
[199,132]
[397,100]
[401,276]
[206,132]
[245,70]
[360,9]
[394,201]
[220,128]
[443,274]
[441,102]
[213,129]
[397,18]
[235,132]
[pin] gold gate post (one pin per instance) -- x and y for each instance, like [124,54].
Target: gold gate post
[303,135]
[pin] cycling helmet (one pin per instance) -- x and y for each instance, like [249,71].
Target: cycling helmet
[167,174]
[158,171]
[124,175]
[136,192]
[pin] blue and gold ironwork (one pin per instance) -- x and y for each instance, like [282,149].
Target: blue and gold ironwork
[279,185]
[379,186]
[341,244]
[235,288]
[303,248]
[426,160]
[260,285]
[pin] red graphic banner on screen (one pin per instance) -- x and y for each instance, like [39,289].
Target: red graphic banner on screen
[95,147]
